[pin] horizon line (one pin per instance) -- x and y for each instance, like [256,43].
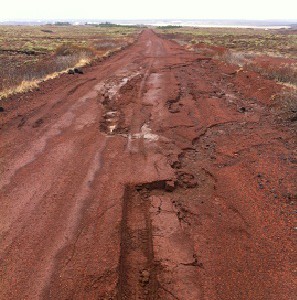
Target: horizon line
[144,19]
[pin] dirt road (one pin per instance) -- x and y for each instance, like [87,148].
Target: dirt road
[157,174]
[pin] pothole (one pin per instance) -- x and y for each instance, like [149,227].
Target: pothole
[111,120]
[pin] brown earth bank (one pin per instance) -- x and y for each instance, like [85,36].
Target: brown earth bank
[157,174]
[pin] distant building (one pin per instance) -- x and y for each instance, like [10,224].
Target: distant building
[59,23]
[107,24]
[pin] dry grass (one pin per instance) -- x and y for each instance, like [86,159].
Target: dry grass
[63,65]
[281,43]
[46,71]
[32,54]
[27,77]
[236,58]
[286,106]
[25,86]
[66,50]
[285,73]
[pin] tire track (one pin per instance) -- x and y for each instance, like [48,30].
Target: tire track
[137,278]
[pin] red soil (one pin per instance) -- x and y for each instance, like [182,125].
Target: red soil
[158,174]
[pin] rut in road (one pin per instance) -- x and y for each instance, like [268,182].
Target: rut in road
[137,278]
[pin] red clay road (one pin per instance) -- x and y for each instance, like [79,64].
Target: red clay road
[157,174]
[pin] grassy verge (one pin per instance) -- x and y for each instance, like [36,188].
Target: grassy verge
[281,43]
[31,54]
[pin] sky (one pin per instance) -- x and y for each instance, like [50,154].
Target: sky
[149,9]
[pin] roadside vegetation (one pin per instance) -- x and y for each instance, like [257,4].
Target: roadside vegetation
[30,54]
[272,53]
[271,42]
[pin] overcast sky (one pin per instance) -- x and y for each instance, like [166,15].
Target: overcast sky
[149,9]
